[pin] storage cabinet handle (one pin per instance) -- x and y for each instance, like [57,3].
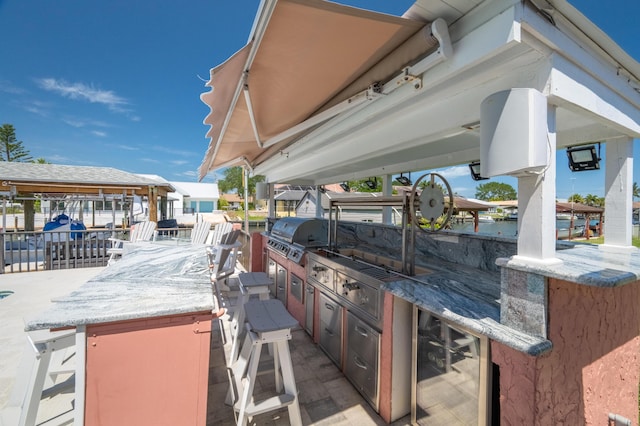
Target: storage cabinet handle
[280,288]
[310,290]
[330,307]
[361,331]
[295,283]
[318,268]
[359,363]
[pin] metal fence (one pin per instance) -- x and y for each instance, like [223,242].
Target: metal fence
[27,251]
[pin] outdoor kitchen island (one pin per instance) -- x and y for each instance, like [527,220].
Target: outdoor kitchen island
[446,343]
[143,333]
[527,330]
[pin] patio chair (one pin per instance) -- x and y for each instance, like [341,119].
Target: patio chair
[216,234]
[199,234]
[143,231]
[222,265]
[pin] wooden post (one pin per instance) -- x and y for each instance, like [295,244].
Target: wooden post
[153,203]
[29,215]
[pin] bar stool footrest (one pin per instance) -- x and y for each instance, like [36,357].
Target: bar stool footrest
[269,404]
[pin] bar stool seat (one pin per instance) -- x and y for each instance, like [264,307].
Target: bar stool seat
[250,283]
[268,322]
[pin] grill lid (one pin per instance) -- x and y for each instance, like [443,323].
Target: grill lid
[303,231]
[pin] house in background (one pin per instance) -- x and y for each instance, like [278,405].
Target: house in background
[235,201]
[287,198]
[195,197]
[307,207]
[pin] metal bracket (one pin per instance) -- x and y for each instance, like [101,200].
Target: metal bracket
[409,78]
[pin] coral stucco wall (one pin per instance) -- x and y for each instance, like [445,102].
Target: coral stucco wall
[593,368]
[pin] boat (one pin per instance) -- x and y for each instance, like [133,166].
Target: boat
[511,216]
[59,226]
[23,251]
[565,216]
[576,231]
[485,219]
[594,224]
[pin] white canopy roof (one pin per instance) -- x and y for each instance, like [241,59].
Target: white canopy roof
[428,119]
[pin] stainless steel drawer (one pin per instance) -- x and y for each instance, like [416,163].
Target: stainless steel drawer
[281,284]
[309,299]
[296,287]
[362,339]
[330,311]
[363,375]
[363,296]
[321,273]
[331,329]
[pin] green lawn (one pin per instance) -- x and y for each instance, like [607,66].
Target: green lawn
[600,240]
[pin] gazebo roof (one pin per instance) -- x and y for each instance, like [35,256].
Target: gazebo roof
[577,208]
[62,179]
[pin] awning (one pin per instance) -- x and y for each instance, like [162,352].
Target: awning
[306,58]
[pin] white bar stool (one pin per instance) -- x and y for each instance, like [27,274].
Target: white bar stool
[250,283]
[39,361]
[268,322]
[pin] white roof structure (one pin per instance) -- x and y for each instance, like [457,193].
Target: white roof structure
[197,190]
[447,102]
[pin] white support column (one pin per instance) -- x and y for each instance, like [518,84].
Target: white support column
[246,199]
[319,209]
[271,203]
[387,190]
[537,207]
[618,197]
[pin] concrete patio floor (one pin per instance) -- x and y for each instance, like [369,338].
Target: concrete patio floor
[326,396]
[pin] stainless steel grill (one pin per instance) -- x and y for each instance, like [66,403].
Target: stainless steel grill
[291,236]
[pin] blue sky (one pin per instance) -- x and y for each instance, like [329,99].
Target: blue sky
[118,83]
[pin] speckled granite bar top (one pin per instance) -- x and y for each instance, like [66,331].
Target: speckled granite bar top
[467,297]
[151,281]
[587,264]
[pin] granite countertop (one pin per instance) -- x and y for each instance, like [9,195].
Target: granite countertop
[587,264]
[151,280]
[470,297]
[467,297]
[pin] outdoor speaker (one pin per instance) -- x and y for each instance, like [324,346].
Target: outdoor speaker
[262,190]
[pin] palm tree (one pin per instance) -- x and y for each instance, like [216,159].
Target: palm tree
[576,198]
[591,200]
[636,190]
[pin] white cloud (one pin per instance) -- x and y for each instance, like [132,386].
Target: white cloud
[36,109]
[82,122]
[189,173]
[174,151]
[179,162]
[454,172]
[99,133]
[124,147]
[82,91]
[149,160]
[8,87]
